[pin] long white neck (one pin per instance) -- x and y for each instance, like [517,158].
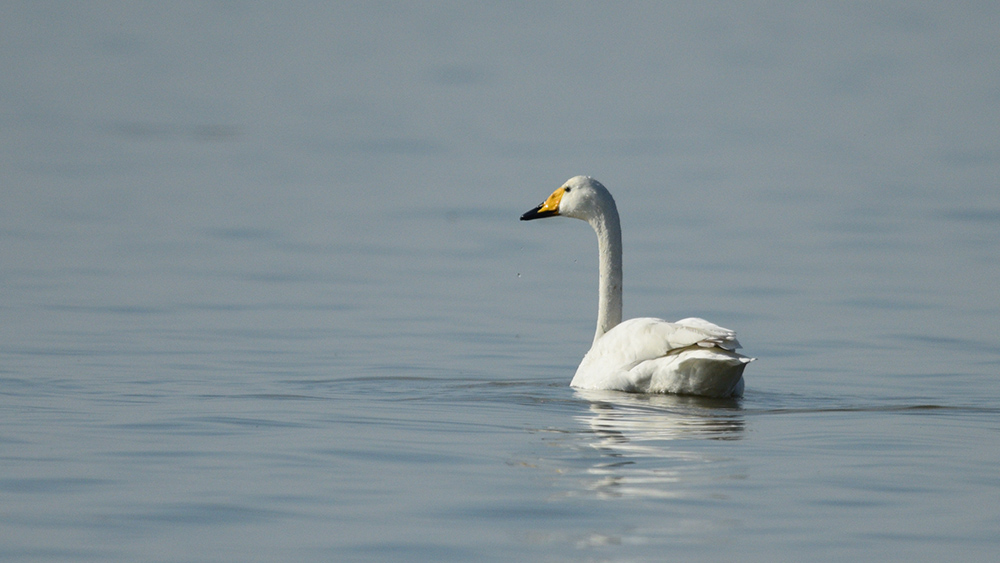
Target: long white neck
[609,253]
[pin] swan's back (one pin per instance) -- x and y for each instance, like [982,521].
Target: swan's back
[647,355]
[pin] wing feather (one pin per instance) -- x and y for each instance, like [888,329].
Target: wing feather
[632,355]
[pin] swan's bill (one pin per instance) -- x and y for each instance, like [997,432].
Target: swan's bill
[548,208]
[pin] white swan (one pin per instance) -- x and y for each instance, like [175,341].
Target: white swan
[644,355]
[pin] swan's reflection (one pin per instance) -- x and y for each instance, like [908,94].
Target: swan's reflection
[641,439]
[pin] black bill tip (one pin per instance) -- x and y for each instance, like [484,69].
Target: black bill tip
[537,213]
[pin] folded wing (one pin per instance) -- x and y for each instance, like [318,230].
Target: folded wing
[690,356]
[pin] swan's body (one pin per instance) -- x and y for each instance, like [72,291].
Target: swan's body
[644,355]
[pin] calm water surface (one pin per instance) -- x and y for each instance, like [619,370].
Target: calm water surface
[265,295]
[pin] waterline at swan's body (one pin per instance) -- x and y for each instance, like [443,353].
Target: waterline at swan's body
[644,355]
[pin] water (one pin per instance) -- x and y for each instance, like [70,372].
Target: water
[265,295]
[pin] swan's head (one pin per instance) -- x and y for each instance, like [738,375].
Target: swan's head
[581,197]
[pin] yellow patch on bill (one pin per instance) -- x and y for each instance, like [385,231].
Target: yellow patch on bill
[552,203]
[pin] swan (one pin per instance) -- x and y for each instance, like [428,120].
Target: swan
[644,355]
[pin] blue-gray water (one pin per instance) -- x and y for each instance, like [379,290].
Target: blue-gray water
[264,295]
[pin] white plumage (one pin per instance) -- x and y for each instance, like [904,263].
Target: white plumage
[643,355]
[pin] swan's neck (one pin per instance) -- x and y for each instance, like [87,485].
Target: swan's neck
[609,252]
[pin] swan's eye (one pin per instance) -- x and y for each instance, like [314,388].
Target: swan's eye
[566,189]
